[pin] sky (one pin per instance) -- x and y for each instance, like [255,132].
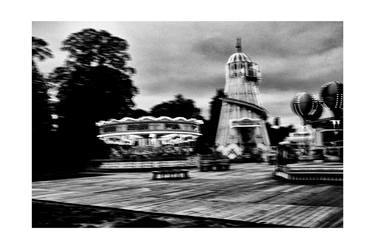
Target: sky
[189,57]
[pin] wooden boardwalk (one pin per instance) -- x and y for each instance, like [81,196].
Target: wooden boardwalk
[245,193]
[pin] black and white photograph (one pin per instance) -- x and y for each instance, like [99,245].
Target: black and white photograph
[187,124]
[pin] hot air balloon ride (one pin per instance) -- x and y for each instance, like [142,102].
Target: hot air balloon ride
[320,140]
[331,94]
[307,107]
[331,131]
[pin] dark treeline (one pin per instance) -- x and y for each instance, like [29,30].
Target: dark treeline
[93,84]
[41,109]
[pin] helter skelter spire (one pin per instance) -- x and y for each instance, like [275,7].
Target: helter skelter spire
[238,45]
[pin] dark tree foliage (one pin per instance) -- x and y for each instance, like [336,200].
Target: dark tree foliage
[215,109]
[137,113]
[60,75]
[41,113]
[98,93]
[95,84]
[91,47]
[278,133]
[206,143]
[179,107]
[40,49]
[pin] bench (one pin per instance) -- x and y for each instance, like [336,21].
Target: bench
[172,174]
[214,165]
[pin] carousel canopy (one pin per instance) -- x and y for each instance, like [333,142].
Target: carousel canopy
[149,119]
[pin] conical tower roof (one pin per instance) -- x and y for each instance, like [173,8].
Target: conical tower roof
[238,56]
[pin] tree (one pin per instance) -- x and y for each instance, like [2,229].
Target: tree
[94,84]
[215,109]
[41,113]
[99,92]
[91,47]
[278,133]
[179,107]
[137,113]
[40,50]
[209,128]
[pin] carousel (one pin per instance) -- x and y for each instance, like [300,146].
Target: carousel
[145,141]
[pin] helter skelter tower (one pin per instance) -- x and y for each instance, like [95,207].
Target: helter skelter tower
[241,128]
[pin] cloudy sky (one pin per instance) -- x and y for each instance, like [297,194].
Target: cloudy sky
[189,57]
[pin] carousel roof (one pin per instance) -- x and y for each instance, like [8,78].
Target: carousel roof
[149,119]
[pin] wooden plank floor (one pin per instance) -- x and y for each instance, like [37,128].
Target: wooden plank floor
[245,193]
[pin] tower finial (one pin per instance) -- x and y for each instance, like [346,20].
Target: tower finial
[238,45]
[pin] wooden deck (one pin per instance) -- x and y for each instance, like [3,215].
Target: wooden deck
[245,193]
